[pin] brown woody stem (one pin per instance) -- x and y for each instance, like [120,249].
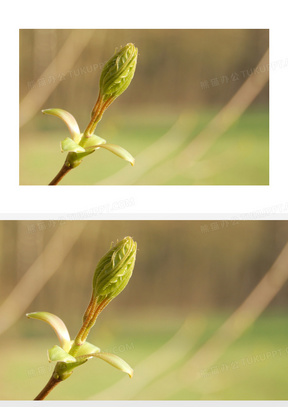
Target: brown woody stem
[64,170]
[49,386]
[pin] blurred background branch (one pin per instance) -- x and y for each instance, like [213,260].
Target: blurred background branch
[63,61]
[155,366]
[159,151]
[34,279]
[216,128]
[232,329]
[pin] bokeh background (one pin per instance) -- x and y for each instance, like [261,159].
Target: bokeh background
[190,278]
[196,111]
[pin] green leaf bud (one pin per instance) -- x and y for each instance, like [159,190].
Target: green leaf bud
[118,72]
[114,270]
[111,276]
[115,78]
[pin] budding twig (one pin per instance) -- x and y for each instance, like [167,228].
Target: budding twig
[111,276]
[116,76]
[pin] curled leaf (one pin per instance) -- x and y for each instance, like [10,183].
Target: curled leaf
[120,151]
[68,119]
[115,361]
[57,324]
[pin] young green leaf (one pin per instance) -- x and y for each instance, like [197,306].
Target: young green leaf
[68,119]
[68,145]
[120,152]
[115,361]
[57,324]
[57,354]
